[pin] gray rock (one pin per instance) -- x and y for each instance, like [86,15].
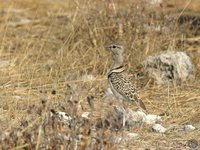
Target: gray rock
[169,66]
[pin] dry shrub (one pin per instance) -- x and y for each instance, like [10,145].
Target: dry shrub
[51,45]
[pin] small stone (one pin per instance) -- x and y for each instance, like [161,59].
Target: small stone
[151,119]
[158,128]
[86,115]
[189,127]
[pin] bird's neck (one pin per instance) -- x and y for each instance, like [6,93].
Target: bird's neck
[117,61]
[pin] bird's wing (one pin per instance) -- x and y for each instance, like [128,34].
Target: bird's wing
[129,91]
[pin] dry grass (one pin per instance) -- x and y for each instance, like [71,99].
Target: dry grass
[46,48]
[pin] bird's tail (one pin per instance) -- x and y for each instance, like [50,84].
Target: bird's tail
[139,102]
[141,105]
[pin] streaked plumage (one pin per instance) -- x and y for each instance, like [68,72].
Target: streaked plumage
[121,84]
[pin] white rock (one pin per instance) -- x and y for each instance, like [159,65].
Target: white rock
[142,114]
[169,66]
[158,128]
[136,116]
[189,127]
[151,119]
[86,115]
[148,118]
[63,116]
[130,115]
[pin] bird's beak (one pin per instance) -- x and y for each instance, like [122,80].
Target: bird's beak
[106,47]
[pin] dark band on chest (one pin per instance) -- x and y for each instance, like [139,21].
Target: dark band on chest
[110,74]
[114,70]
[117,68]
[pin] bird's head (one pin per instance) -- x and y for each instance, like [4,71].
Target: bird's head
[116,49]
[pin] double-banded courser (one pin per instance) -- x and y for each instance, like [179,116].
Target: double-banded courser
[120,83]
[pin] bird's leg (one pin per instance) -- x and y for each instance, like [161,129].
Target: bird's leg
[124,114]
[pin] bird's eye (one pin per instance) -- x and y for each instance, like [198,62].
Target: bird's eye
[114,46]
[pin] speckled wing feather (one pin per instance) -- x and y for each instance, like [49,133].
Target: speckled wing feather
[123,84]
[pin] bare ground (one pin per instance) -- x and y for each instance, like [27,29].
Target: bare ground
[47,47]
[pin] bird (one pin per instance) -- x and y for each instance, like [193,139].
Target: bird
[121,84]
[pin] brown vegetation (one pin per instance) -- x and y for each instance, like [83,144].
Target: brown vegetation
[49,47]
